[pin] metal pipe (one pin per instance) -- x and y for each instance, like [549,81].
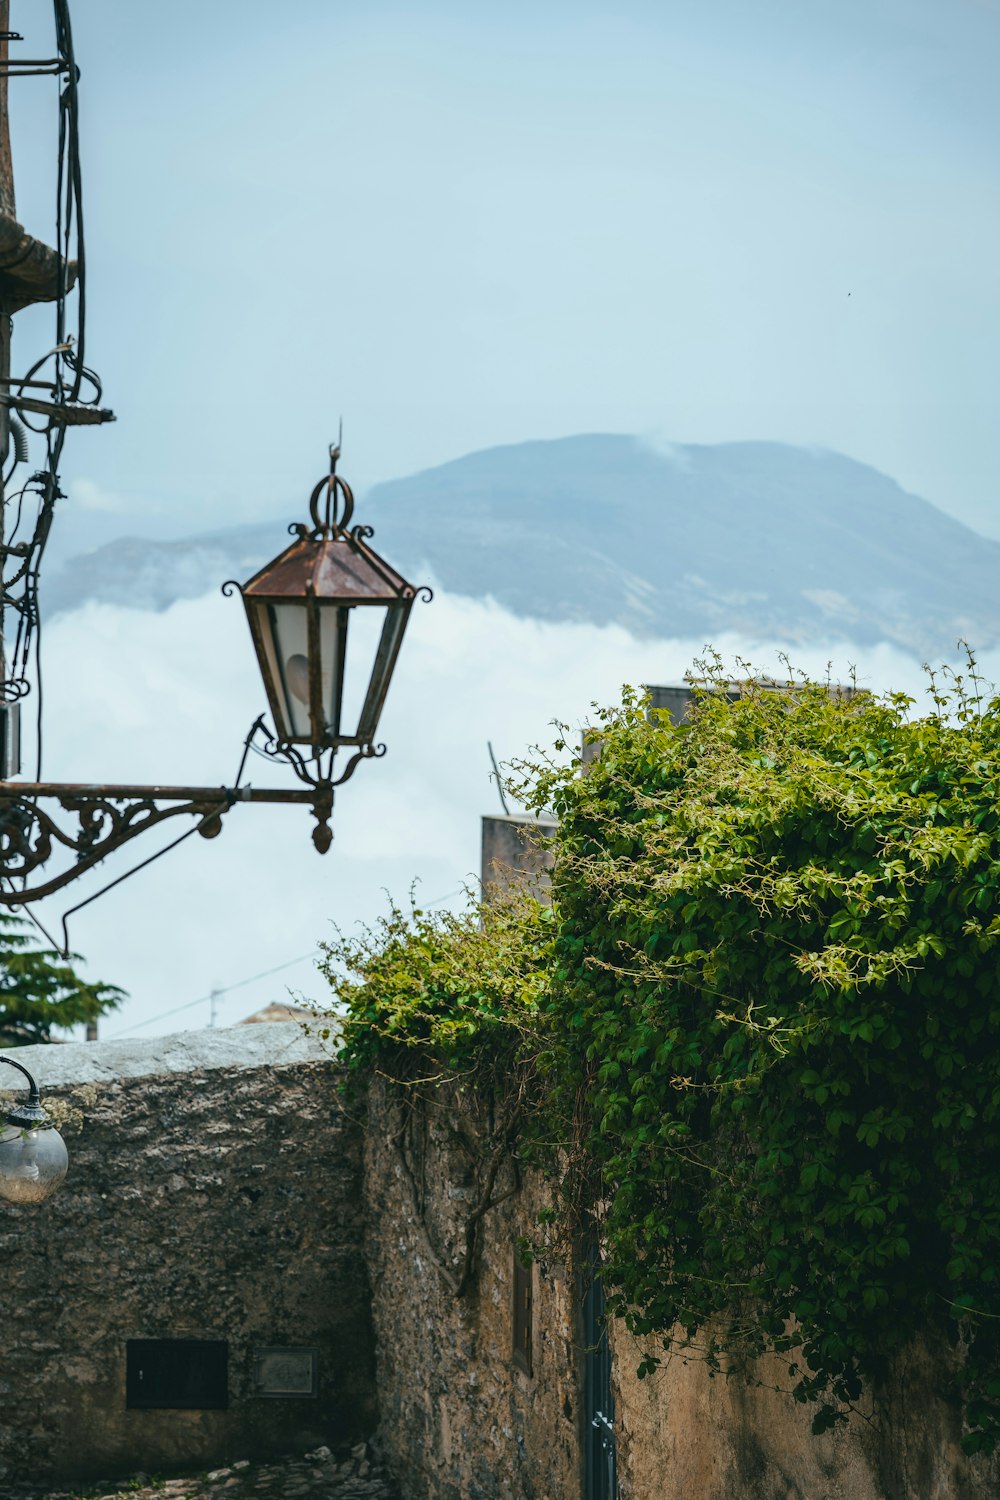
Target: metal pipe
[33,1098]
[8,207]
[30,1115]
[25,791]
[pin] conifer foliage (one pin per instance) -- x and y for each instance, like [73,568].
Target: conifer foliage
[39,990]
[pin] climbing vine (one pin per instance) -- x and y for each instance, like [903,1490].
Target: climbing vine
[765,1009]
[443,1009]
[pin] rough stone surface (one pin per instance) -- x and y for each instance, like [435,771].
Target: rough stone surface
[320,1475]
[219,1199]
[460,1420]
[216,1191]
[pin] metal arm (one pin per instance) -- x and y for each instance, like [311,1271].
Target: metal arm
[29,1116]
[106,817]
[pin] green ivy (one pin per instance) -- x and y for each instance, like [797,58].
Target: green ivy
[776,971]
[444,1009]
[758,1031]
[433,997]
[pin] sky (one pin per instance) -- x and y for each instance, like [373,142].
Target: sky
[460,226]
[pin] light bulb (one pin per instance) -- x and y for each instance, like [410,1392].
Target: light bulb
[29,1166]
[297,677]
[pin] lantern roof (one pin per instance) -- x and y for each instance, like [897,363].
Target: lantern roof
[338,566]
[332,560]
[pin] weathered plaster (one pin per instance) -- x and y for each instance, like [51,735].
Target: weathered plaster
[461,1422]
[683,1433]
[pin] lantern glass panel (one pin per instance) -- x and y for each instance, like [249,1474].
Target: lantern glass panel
[291,666]
[395,618]
[367,627]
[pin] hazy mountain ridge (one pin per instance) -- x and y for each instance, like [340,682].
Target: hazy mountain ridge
[758,538]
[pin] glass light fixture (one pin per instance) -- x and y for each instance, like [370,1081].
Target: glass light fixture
[327,618]
[33,1155]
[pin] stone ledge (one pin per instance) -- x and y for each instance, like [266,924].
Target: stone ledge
[279,1044]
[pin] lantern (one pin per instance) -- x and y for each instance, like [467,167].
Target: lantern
[327,619]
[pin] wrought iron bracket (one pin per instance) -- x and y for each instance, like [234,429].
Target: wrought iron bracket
[316,772]
[102,818]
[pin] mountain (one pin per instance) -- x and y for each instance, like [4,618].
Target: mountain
[763,539]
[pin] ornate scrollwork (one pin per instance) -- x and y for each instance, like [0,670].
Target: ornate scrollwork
[316,773]
[338,505]
[25,839]
[87,823]
[14,689]
[30,832]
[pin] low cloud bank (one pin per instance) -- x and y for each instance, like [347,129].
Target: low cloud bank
[136,697]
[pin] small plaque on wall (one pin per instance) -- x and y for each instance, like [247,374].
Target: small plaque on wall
[287,1373]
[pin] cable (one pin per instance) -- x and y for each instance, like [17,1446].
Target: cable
[240,984]
[227,989]
[214,813]
[499,779]
[42,929]
[69,372]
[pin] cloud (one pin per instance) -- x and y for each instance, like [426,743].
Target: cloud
[674,453]
[91,496]
[138,697]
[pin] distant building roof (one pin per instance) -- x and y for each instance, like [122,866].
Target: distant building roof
[276,1011]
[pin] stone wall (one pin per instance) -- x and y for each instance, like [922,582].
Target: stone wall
[213,1193]
[216,1192]
[462,1421]
[461,1418]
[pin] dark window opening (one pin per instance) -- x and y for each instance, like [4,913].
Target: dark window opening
[177,1374]
[522,1313]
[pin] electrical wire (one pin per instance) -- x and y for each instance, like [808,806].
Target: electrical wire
[42,928]
[211,816]
[205,999]
[68,374]
[240,984]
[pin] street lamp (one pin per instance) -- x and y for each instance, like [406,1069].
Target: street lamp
[324,697]
[328,585]
[327,618]
[33,1155]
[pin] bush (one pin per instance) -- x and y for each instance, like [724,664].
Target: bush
[758,1033]
[776,975]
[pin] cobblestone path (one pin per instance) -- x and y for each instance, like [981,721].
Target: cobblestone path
[319,1475]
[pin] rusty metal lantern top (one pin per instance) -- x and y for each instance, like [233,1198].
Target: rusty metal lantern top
[327,619]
